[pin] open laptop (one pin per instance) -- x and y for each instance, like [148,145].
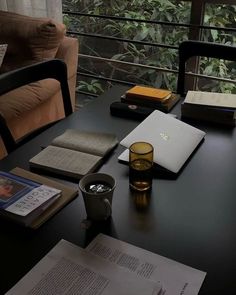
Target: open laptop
[173,140]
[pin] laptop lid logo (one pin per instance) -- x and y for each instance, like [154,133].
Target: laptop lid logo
[164,136]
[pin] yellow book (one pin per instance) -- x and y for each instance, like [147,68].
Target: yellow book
[149,93]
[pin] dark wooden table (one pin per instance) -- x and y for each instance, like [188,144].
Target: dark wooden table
[191,219]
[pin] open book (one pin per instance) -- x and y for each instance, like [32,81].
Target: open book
[74,153]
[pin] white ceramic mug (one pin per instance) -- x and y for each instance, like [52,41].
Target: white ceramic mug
[98,205]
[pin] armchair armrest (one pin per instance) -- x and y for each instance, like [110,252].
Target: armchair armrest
[54,68]
[68,51]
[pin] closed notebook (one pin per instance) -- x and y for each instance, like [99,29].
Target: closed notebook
[173,140]
[148,93]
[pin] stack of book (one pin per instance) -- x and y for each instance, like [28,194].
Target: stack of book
[24,200]
[155,98]
[30,199]
[210,106]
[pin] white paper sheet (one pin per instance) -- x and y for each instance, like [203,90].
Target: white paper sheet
[175,278]
[68,269]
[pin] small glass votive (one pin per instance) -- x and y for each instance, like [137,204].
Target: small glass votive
[140,166]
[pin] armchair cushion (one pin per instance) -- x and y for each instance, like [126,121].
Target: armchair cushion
[31,41]
[35,39]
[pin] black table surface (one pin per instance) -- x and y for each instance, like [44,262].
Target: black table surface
[190,218]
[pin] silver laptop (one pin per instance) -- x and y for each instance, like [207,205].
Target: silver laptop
[173,140]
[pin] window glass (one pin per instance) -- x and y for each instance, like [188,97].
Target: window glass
[218,15]
[141,38]
[113,45]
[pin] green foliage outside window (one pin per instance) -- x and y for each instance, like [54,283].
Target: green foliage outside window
[156,56]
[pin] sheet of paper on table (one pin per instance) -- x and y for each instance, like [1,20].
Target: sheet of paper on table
[69,269]
[175,278]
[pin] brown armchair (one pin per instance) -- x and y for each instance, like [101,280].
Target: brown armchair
[54,69]
[34,40]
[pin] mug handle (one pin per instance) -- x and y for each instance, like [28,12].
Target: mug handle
[108,207]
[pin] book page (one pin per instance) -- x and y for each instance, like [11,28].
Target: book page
[95,143]
[68,269]
[175,278]
[64,161]
[226,100]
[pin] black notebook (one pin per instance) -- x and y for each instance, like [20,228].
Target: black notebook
[74,153]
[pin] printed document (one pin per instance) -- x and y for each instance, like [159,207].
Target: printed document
[175,278]
[68,269]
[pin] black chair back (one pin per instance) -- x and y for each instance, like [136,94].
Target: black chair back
[190,48]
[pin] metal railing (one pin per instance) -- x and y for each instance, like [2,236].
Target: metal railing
[85,73]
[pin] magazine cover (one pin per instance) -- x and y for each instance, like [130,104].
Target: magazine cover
[13,187]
